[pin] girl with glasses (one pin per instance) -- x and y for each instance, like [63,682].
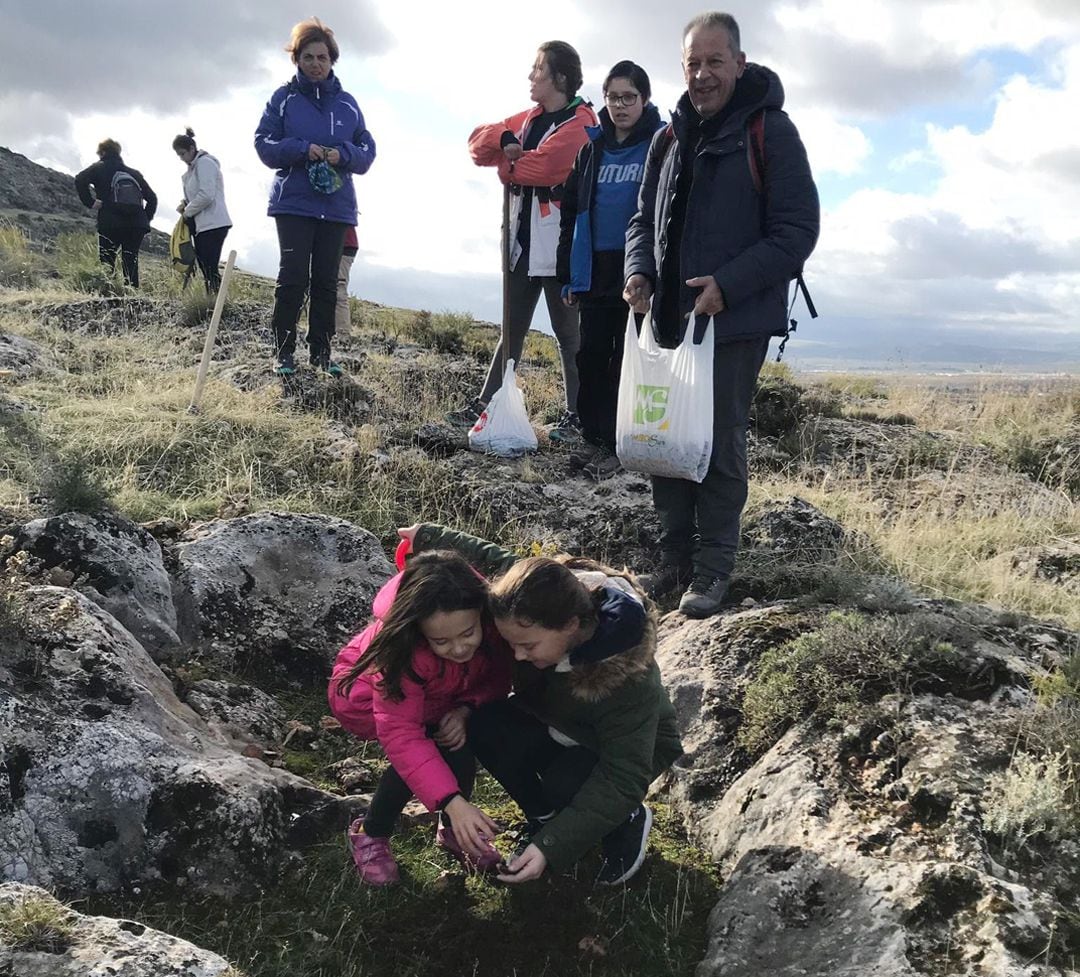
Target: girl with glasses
[599,198]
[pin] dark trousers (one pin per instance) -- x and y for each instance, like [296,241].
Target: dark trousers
[516,749]
[599,361]
[208,245]
[127,241]
[700,523]
[392,793]
[310,254]
[524,294]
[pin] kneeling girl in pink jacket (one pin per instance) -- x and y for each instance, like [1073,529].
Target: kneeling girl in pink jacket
[410,680]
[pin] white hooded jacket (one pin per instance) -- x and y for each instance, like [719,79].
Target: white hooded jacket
[204,193]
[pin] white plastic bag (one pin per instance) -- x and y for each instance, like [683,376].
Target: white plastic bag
[503,427]
[664,419]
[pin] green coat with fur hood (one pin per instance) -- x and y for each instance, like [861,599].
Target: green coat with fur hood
[615,707]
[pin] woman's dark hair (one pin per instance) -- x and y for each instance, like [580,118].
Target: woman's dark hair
[432,582]
[311,31]
[108,147]
[539,590]
[635,73]
[563,63]
[186,141]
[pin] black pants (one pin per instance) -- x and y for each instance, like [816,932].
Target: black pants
[392,793]
[310,254]
[603,329]
[700,523]
[127,241]
[208,245]
[516,749]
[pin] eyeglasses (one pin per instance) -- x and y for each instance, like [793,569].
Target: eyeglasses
[617,101]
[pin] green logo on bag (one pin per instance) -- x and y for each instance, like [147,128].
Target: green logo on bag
[650,404]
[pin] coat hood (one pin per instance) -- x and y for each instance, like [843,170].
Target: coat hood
[644,129]
[624,645]
[317,89]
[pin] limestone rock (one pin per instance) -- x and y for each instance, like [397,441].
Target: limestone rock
[277,588]
[77,945]
[106,777]
[117,564]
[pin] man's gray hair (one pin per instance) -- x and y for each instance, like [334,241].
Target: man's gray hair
[711,20]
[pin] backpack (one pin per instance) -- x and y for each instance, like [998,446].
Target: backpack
[125,190]
[755,159]
[182,249]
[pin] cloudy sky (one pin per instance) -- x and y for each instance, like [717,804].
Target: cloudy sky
[944,134]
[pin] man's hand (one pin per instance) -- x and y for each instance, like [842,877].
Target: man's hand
[472,827]
[512,151]
[314,152]
[569,300]
[450,731]
[711,299]
[529,865]
[332,156]
[637,293]
[96,205]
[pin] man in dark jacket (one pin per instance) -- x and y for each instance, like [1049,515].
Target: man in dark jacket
[124,205]
[707,242]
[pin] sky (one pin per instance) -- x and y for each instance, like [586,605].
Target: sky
[944,135]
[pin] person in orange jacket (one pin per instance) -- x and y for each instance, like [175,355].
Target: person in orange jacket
[534,152]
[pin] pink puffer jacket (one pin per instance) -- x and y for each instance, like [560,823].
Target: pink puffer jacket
[400,727]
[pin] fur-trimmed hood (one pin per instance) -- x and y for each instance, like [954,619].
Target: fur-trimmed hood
[624,646]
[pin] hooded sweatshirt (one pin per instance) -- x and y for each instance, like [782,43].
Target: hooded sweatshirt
[204,193]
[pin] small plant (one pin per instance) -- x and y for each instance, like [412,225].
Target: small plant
[36,924]
[196,307]
[1029,799]
[80,267]
[18,267]
[835,672]
[71,485]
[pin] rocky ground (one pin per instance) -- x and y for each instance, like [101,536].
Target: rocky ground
[142,677]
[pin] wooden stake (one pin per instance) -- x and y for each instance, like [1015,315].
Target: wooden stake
[211,335]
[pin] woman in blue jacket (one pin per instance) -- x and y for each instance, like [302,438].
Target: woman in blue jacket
[599,198]
[313,134]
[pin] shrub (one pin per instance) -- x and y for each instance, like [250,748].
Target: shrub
[1029,799]
[35,924]
[71,485]
[78,264]
[834,673]
[18,267]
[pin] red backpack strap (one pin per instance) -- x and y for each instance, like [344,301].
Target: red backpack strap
[755,149]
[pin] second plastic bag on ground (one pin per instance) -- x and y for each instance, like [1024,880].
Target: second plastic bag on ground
[665,414]
[503,427]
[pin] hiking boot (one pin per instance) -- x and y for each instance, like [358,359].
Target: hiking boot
[704,597]
[567,430]
[666,578]
[603,464]
[321,361]
[466,416]
[445,838]
[373,858]
[286,365]
[624,848]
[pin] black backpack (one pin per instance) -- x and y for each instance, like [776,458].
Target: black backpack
[124,190]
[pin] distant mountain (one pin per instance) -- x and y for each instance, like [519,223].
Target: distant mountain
[43,202]
[916,346]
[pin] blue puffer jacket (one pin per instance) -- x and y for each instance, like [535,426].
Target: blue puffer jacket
[299,114]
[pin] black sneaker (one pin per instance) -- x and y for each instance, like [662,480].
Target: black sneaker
[704,597]
[668,577]
[624,848]
[286,365]
[466,416]
[603,464]
[567,429]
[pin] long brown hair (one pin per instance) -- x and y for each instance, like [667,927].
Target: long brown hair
[539,590]
[432,582]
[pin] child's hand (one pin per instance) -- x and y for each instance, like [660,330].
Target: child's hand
[529,865]
[472,827]
[409,532]
[450,732]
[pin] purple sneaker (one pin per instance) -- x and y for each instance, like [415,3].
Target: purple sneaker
[374,860]
[445,838]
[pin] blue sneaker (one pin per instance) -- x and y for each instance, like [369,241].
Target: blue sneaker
[286,365]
